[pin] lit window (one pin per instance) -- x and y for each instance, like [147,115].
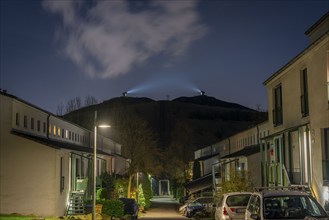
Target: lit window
[54,130]
[67,134]
[59,132]
[49,129]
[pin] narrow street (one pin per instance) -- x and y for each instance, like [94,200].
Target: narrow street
[163,208]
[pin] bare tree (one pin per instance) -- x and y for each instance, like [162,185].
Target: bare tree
[60,109]
[70,106]
[77,103]
[73,104]
[90,100]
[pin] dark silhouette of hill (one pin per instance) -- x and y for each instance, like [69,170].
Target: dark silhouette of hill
[209,101]
[209,119]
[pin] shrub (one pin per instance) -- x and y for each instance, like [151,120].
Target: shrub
[102,193]
[113,208]
[239,181]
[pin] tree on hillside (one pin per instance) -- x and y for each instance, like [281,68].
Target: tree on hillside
[139,145]
[74,104]
[90,100]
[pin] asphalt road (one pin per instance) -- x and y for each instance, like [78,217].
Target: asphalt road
[163,208]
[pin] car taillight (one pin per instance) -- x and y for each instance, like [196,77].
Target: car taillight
[225,211]
[233,209]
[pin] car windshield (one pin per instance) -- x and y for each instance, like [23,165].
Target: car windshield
[292,207]
[238,200]
[194,204]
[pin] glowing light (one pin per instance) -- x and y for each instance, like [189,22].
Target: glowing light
[104,126]
[326,193]
[165,81]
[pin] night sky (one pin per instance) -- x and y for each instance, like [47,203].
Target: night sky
[52,51]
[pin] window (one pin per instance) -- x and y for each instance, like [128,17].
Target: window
[25,121]
[277,104]
[44,127]
[254,205]
[17,119]
[304,93]
[54,130]
[63,133]
[325,157]
[32,123]
[38,125]
[59,131]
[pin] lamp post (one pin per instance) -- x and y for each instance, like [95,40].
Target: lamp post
[95,162]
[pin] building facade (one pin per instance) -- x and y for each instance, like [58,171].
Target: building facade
[44,158]
[297,151]
[294,142]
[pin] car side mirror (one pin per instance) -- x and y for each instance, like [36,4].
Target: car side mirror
[254,216]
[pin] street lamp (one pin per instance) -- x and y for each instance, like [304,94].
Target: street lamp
[95,162]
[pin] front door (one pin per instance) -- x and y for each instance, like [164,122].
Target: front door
[294,163]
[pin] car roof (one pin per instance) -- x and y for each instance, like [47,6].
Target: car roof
[271,193]
[236,193]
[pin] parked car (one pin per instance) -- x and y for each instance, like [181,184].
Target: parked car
[232,205]
[130,207]
[193,208]
[284,203]
[207,202]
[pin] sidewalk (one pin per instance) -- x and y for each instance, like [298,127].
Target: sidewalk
[163,207]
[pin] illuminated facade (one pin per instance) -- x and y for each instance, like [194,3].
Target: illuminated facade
[297,151]
[294,142]
[43,158]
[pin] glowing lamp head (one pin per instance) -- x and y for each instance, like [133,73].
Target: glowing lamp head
[125,94]
[202,92]
[104,126]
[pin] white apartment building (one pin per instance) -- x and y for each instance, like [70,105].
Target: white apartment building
[294,142]
[44,158]
[297,151]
